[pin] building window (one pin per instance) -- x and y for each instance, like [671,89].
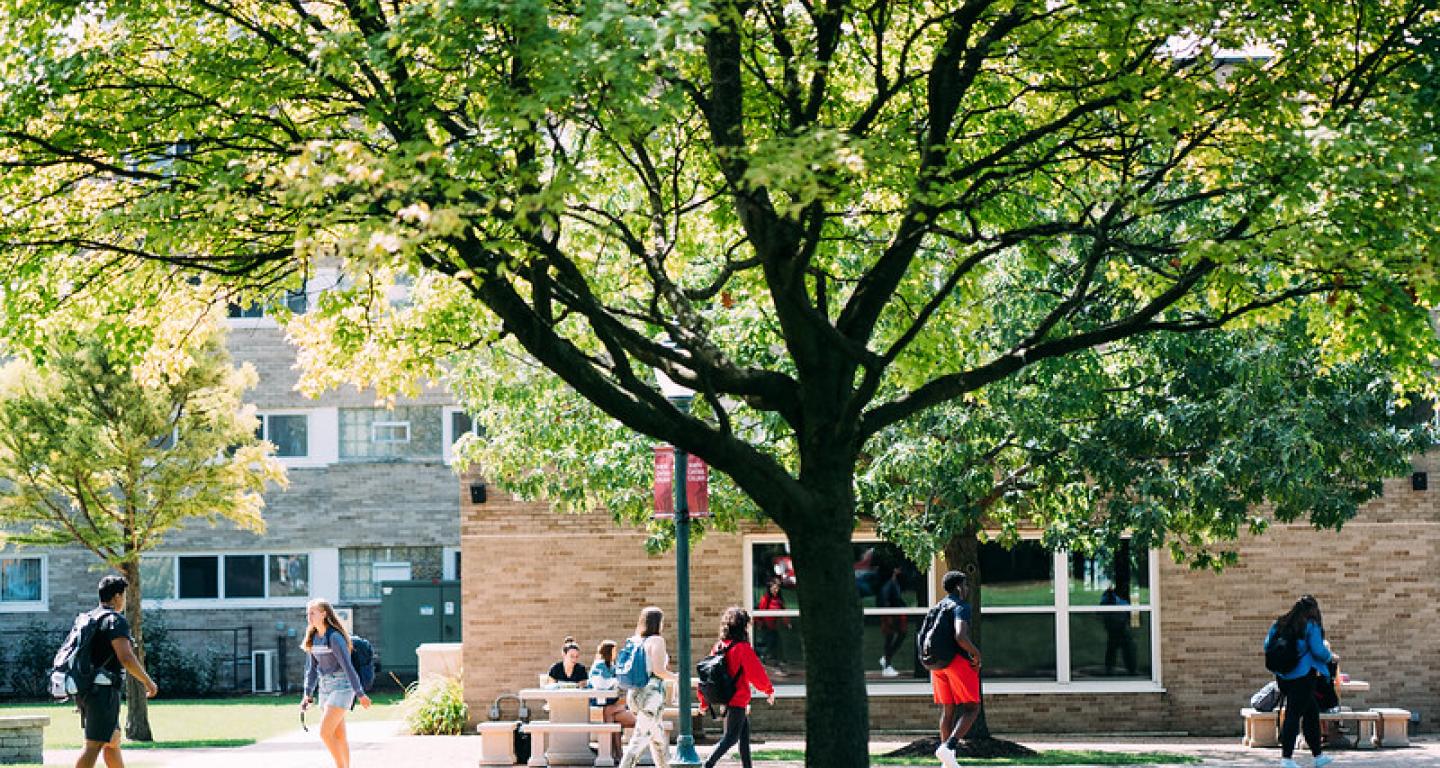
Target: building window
[458,424]
[389,431]
[1063,617]
[297,302]
[289,432]
[228,577]
[894,593]
[1049,620]
[22,581]
[363,569]
[406,432]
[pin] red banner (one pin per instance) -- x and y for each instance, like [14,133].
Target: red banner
[697,484]
[664,482]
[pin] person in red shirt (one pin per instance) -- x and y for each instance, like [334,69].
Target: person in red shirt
[746,670]
[767,628]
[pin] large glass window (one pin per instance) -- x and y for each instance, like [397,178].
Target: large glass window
[289,432]
[363,569]
[1044,616]
[228,577]
[1100,604]
[407,432]
[894,593]
[21,579]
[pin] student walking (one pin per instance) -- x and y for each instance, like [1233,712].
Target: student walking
[957,684]
[767,628]
[112,652]
[1303,630]
[328,668]
[747,672]
[648,701]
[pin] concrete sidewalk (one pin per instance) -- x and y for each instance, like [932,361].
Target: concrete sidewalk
[385,745]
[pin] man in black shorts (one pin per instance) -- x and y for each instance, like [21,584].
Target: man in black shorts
[112,651]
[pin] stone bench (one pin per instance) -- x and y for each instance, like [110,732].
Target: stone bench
[22,738]
[1394,726]
[1262,729]
[541,730]
[497,742]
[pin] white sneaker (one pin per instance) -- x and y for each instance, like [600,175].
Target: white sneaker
[889,671]
[1323,760]
[947,756]
[1288,763]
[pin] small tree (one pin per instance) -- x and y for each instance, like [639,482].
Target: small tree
[110,451]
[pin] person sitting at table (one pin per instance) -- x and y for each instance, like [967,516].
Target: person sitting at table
[568,669]
[602,678]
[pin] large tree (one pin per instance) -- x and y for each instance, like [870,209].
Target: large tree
[111,451]
[826,218]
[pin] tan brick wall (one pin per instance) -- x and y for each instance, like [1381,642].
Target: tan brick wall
[532,576]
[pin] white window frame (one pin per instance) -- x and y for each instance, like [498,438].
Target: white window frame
[30,606]
[448,569]
[447,443]
[231,603]
[377,426]
[1060,609]
[264,417]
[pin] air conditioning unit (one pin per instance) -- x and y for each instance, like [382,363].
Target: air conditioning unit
[347,619]
[264,675]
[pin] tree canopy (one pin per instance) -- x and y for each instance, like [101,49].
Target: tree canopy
[828,219]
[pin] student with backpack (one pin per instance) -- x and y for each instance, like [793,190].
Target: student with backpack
[642,667]
[330,669]
[102,636]
[1295,651]
[954,663]
[726,677]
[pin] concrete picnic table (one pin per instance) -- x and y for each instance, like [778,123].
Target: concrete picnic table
[569,705]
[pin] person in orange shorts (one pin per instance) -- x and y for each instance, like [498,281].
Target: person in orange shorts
[957,685]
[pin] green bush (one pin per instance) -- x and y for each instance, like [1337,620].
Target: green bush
[435,707]
[29,674]
[176,670]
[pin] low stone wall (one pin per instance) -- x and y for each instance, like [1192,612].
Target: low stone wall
[22,739]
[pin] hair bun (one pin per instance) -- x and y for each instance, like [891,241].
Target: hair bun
[569,639]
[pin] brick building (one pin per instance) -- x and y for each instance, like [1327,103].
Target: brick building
[371,497]
[1181,654]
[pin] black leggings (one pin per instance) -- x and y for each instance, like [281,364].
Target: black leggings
[737,729]
[1302,711]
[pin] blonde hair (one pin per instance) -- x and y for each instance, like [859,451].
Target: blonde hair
[331,622]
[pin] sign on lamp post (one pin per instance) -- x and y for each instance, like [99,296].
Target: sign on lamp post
[697,485]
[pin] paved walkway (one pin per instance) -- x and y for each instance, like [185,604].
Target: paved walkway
[384,745]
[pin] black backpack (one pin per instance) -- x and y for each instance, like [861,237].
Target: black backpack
[72,673]
[1282,652]
[716,683]
[935,641]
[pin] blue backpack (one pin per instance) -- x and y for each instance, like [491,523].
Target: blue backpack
[362,656]
[630,667]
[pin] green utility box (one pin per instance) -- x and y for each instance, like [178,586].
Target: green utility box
[412,613]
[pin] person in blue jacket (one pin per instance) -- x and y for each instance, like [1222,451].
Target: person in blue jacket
[1303,624]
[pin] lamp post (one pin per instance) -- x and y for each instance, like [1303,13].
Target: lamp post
[685,754]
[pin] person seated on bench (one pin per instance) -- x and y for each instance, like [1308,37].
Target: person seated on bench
[568,669]
[1303,630]
[602,677]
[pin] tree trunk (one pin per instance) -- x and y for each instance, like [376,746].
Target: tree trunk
[962,553]
[837,717]
[137,718]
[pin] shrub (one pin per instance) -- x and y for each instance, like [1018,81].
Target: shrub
[435,707]
[175,669]
[29,672]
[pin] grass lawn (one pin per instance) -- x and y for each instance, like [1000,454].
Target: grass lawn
[183,723]
[1050,757]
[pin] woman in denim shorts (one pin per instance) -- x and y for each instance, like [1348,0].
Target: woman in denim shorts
[329,671]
